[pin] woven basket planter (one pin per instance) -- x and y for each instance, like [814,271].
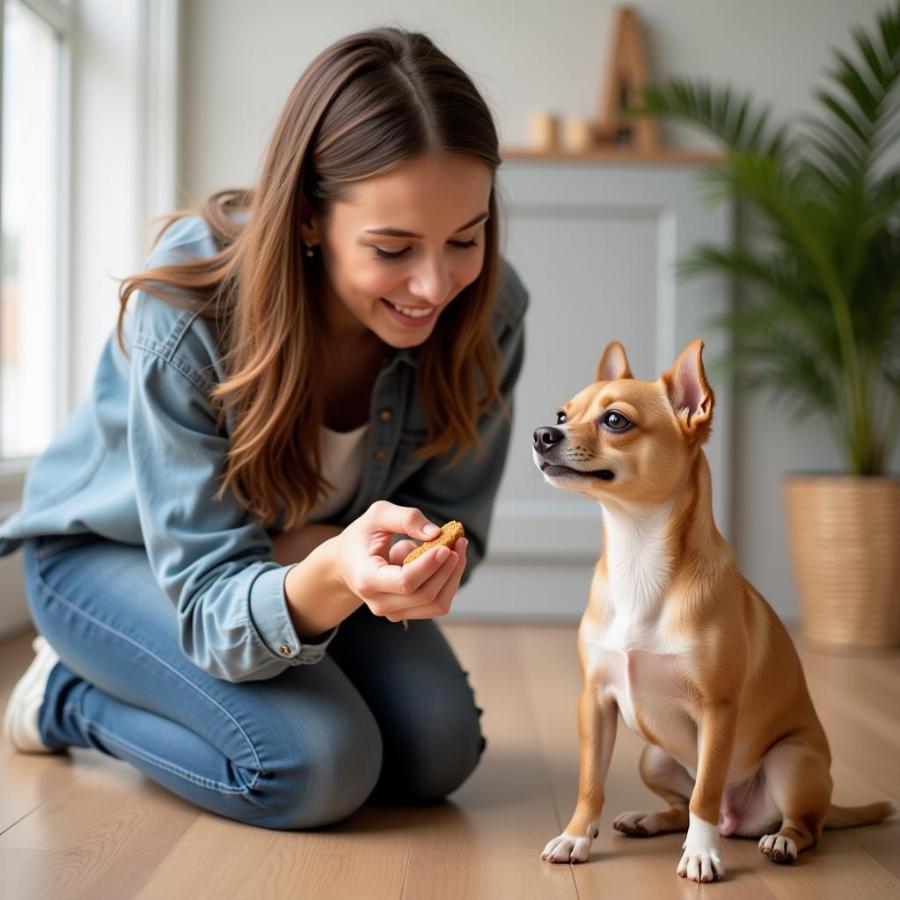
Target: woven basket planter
[845,543]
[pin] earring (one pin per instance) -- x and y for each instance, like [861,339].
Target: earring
[310,249]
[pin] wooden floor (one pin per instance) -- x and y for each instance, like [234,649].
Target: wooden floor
[84,825]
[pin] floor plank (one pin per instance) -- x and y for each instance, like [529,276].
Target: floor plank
[221,858]
[84,825]
[506,808]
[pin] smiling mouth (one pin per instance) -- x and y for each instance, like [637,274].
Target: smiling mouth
[410,315]
[602,474]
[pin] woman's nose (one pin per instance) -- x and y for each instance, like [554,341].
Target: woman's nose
[431,282]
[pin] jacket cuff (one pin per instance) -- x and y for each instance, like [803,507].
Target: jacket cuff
[269,616]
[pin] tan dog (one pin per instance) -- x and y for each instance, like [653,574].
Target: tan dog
[677,640]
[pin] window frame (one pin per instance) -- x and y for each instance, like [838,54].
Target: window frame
[60,18]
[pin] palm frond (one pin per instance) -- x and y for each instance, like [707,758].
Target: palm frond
[822,324]
[797,378]
[859,111]
[786,300]
[882,204]
[726,115]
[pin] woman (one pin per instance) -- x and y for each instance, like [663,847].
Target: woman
[305,372]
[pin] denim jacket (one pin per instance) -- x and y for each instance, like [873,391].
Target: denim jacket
[139,461]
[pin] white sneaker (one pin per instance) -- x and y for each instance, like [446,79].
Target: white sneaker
[20,723]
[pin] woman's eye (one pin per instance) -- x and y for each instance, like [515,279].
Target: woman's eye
[381,253]
[561,418]
[615,421]
[387,254]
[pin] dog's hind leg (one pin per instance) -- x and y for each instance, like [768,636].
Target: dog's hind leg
[668,778]
[799,783]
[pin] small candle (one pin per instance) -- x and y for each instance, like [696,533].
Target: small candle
[543,130]
[578,134]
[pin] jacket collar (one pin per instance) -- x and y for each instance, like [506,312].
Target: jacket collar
[407,355]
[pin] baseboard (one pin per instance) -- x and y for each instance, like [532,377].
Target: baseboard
[533,590]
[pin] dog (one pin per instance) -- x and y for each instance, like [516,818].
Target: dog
[677,640]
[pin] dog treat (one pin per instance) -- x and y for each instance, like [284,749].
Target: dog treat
[450,534]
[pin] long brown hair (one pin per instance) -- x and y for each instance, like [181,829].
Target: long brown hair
[368,103]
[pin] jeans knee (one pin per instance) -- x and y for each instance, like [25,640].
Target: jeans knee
[328,774]
[435,758]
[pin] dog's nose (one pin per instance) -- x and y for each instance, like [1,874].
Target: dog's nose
[547,437]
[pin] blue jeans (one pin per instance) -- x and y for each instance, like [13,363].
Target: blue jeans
[387,713]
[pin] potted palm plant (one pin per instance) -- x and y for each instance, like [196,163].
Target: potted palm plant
[818,319]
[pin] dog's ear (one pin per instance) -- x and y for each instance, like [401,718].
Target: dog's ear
[613,363]
[689,391]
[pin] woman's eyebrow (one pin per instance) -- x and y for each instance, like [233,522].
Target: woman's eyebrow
[396,232]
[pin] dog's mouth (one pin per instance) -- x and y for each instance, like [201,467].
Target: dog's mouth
[558,471]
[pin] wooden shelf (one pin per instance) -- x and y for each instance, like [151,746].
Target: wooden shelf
[663,156]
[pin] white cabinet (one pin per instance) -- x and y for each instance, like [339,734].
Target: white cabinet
[596,245]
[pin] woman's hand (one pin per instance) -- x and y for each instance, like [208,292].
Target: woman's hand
[372,569]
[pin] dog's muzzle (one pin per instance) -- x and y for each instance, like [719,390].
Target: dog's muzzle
[545,440]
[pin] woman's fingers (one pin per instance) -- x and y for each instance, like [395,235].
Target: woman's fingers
[443,598]
[384,578]
[397,608]
[385,516]
[423,597]
[391,589]
[400,551]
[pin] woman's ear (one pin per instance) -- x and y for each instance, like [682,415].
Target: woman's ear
[309,231]
[310,225]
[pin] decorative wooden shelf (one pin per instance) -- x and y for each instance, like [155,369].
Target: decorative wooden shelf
[661,156]
[612,136]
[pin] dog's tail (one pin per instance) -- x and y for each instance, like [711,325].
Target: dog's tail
[850,816]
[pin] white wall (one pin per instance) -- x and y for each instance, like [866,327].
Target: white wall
[241,59]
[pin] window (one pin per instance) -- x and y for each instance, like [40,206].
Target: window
[35,36]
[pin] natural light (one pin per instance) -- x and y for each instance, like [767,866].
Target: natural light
[29,191]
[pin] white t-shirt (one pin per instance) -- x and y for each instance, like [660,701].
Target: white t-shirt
[343,455]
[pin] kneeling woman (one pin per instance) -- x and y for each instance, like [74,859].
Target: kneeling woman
[304,372]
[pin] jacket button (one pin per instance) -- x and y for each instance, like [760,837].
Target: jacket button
[385,414]
[380,455]
[285,649]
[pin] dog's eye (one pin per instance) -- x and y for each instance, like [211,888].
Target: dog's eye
[615,421]
[561,418]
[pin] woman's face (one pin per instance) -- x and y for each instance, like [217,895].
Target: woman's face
[403,246]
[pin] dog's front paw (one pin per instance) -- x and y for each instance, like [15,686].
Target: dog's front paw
[778,848]
[567,847]
[701,865]
[700,860]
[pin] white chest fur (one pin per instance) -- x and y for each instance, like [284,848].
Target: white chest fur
[632,655]
[649,691]
[638,564]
